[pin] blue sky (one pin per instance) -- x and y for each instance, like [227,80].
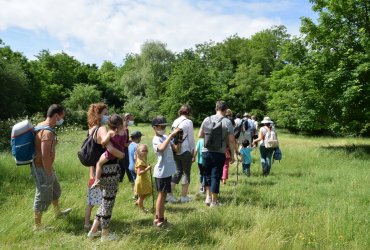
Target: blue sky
[96,30]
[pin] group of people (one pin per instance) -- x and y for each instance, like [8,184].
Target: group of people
[118,155]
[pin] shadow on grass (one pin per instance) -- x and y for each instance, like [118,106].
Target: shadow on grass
[361,151]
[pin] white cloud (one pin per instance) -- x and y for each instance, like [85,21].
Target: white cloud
[97,30]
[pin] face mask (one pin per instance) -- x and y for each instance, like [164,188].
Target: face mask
[161,132]
[104,119]
[60,122]
[130,123]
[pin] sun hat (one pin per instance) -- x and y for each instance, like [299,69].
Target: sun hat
[159,120]
[246,114]
[266,119]
[136,134]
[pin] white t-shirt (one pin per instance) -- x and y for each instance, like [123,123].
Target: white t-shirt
[187,126]
[166,165]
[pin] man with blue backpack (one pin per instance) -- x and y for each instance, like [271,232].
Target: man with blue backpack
[47,185]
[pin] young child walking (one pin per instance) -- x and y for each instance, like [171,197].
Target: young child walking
[93,198]
[202,173]
[225,170]
[118,137]
[135,140]
[165,166]
[245,153]
[143,185]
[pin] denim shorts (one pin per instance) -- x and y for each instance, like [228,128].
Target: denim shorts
[163,184]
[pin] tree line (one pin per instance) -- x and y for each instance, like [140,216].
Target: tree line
[315,83]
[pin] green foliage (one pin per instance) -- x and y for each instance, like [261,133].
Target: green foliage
[79,101]
[315,83]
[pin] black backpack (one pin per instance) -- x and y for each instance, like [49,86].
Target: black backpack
[246,125]
[212,134]
[238,129]
[90,151]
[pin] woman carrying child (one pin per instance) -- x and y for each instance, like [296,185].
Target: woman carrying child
[97,116]
[117,136]
[143,186]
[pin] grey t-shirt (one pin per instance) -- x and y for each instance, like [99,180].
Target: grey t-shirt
[227,129]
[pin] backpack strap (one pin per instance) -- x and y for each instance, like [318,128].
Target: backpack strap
[44,127]
[94,134]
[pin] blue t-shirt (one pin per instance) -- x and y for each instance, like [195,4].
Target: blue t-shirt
[246,153]
[131,155]
[199,150]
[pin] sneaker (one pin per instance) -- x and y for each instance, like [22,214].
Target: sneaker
[135,197]
[41,228]
[202,190]
[171,199]
[185,199]
[109,237]
[92,235]
[63,213]
[208,201]
[215,204]
[87,227]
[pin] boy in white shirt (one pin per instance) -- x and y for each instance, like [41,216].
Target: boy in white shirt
[165,167]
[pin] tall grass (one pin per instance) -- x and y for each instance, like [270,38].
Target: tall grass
[317,197]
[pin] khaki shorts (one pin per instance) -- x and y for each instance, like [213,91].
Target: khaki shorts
[47,188]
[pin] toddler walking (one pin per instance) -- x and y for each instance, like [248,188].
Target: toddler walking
[245,153]
[117,136]
[143,185]
[202,172]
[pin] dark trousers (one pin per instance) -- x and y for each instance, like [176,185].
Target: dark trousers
[213,163]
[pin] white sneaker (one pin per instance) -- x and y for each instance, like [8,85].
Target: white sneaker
[92,235]
[208,201]
[64,213]
[185,199]
[109,237]
[171,199]
[215,204]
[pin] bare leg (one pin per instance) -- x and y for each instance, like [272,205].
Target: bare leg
[88,214]
[184,191]
[99,166]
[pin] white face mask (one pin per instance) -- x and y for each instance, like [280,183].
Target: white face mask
[130,123]
[161,132]
[60,122]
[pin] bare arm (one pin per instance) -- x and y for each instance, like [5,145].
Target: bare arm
[107,137]
[161,147]
[231,143]
[115,152]
[260,138]
[142,170]
[47,161]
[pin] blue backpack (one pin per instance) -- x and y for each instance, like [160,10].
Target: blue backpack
[23,141]
[278,155]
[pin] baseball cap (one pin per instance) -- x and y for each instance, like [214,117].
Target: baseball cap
[159,120]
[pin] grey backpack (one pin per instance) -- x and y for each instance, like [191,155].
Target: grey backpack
[212,134]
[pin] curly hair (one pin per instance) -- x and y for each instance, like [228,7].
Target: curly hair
[93,113]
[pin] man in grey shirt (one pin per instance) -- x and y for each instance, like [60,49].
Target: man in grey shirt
[213,159]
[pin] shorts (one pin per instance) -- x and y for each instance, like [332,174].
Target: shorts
[183,167]
[163,184]
[47,188]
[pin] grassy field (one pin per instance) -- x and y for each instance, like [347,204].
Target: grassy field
[318,197]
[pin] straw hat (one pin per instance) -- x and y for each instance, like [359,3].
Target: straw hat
[266,119]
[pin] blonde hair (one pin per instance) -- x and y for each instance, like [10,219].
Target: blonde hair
[93,113]
[138,149]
